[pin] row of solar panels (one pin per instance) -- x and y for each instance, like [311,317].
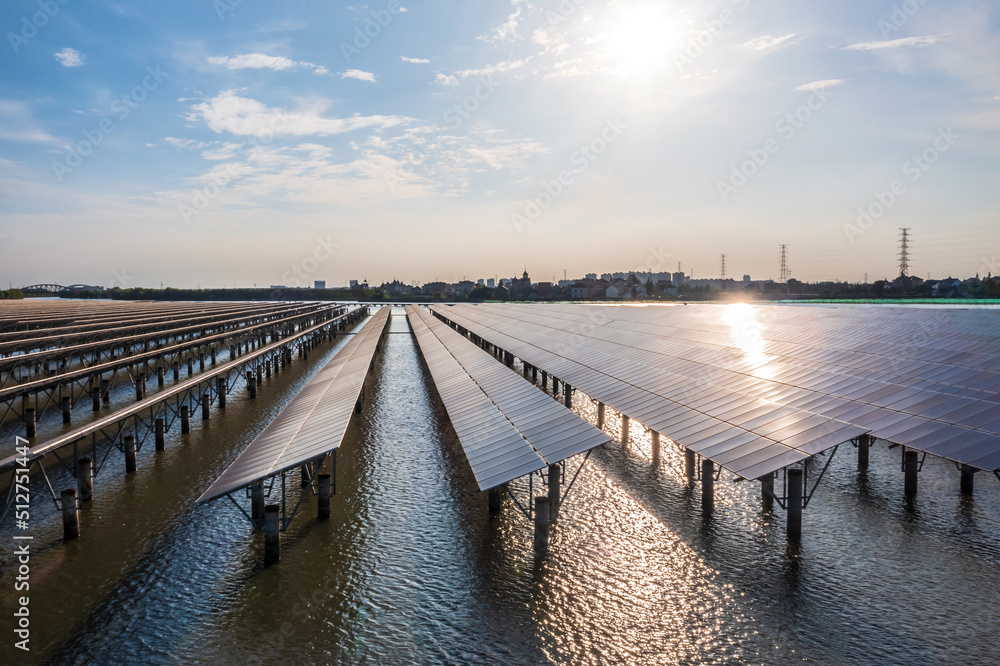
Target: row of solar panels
[506,426]
[954,352]
[314,421]
[723,381]
[945,423]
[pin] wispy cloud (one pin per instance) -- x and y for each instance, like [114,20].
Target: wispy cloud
[765,42]
[262,61]
[358,74]
[904,43]
[506,31]
[418,61]
[70,57]
[498,68]
[228,112]
[182,143]
[17,123]
[820,85]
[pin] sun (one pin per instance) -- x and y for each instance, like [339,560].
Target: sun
[641,37]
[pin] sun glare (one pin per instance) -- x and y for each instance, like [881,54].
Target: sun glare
[640,39]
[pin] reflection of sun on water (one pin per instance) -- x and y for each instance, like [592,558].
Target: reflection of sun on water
[748,335]
[640,39]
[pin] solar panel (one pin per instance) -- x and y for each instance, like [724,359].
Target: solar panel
[530,429]
[314,421]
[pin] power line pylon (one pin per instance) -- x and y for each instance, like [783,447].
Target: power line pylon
[904,251]
[784,263]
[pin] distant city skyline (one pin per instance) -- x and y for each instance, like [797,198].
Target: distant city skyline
[239,143]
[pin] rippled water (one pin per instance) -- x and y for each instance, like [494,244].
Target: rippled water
[411,568]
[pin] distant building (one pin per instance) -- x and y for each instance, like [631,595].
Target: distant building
[612,292]
[277,286]
[591,276]
[481,282]
[491,283]
[746,279]
[607,277]
[319,284]
[354,284]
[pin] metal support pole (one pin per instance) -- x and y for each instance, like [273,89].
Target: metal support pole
[910,473]
[625,429]
[220,388]
[272,534]
[707,484]
[968,478]
[864,447]
[495,498]
[177,370]
[545,380]
[534,375]
[541,523]
[185,419]
[569,395]
[86,479]
[30,425]
[138,387]
[201,361]
[159,376]
[794,502]
[95,395]
[71,515]
[767,491]
[600,416]
[130,466]
[67,409]
[689,465]
[656,446]
[555,482]
[251,384]
[158,430]
[190,361]
[106,390]
[205,401]
[323,510]
[257,502]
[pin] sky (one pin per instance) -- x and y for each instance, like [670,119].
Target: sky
[241,142]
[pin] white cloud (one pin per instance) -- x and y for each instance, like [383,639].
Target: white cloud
[224,152]
[182,143]
[765,42]
[358,74]
[70,57]
[228,112]
[262,61]
[905,42]
[499,68]
[507,31]
[819,85]
[418,61]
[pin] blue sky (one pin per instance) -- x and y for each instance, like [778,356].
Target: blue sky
[219,143]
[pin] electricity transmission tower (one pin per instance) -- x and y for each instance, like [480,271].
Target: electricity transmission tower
[904,251]
[784,263]
[723,266]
